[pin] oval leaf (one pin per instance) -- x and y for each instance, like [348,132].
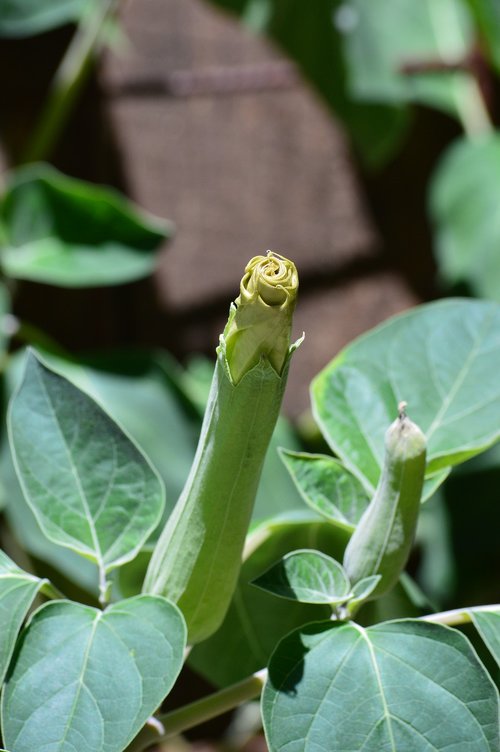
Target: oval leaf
[307,576]
[443,359]
[327,487]
[86,680]
[70,233]
[403,685]
[487,624]
[464,205]
[89,486]
[18,590]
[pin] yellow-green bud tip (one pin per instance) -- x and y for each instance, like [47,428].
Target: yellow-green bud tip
[260,321]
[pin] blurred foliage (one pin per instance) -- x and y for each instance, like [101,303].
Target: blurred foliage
[23,18]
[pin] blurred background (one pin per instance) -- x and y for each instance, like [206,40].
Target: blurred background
[317,129]
[357,138]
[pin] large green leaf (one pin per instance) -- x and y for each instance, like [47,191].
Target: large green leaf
[428,31]
[307,576]
[311,34]
[327,487]
[71,233]
[464,208]
[90,487]
[443,359]
[487,624]
[22,18]
[257,620]
[403,685]
[18,590]
[85,680]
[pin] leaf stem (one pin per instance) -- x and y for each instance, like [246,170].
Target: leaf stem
[104,587]
[197,712]
[458,615]
[68,80]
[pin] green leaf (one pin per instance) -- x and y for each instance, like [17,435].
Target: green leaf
[23,523]
[487,624]
[139,392]
[327,487]
[85,680]
[90,487]
[257,620]
[464,210]
[23,18]
[307,576]
[429,32]
[70,233]
[403,685]
[18,590]
[443,359]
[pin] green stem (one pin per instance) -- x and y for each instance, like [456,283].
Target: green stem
[458,615]
[177,721]
[68,81]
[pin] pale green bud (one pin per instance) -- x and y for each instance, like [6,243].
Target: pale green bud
[260,320]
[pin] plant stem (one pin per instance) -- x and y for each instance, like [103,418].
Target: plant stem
[197,712]
[68,80]
[458,615]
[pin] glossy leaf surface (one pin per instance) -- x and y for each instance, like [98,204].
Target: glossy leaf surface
[86,680]
[90,487]
[442,359]
[403,685]
[67,232]
[307,576]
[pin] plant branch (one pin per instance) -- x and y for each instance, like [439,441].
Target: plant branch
[458,615]
[72,73]
[177,721]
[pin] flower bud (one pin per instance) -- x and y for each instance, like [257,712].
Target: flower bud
[197,559]
[383,538]
[260,321]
